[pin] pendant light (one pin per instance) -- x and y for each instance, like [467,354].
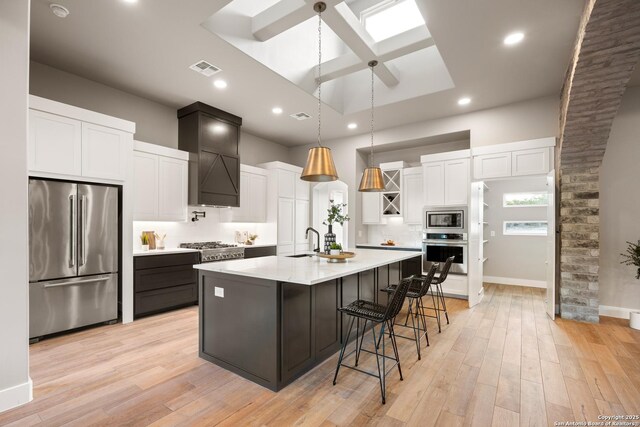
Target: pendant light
[319,167]
[372,177]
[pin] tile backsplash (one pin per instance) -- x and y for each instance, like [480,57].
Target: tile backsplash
[206,229]
[396,230]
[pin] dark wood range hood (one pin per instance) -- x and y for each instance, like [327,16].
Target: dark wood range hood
[212,136]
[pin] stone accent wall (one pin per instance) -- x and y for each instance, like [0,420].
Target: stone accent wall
[579,217]
[606,51]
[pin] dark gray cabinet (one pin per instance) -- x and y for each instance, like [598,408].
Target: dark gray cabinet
[250,252]
[213,138]
[164,282]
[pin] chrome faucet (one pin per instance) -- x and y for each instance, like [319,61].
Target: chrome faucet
[306,233]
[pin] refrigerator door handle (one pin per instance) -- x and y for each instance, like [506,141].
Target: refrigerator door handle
[73,214]
[83,228]
[76,282]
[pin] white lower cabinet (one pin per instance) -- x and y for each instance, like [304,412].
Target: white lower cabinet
[302,222]
[104,152]
[456,284]
[160,183]
[371,208]
[286,226]
[412,189]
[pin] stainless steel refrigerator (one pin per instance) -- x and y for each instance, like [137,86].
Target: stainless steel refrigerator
[73,255]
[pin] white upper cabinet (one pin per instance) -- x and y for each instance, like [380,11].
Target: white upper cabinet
[530,162]
[496,165]
[172,189]
[456,182]
[145,177]
[446,178]
[160,183]
[253,197]
[55,144]
[532,157]
[286,226]
[303,188]
[412,188]
[371,208]
[104,152]
[433,175]
[286,183]
[71,142]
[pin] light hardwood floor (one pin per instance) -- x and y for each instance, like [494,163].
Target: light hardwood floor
[503,363]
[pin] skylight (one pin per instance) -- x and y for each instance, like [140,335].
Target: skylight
[391,18]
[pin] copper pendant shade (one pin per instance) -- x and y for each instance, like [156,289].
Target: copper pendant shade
[320,166]
[371,180]
[372,177]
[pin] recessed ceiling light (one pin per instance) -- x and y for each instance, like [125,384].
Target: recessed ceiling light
[59,10]
[220,84]
[130,1]
[352,125]
[513,38]
[276,110]
[464,101]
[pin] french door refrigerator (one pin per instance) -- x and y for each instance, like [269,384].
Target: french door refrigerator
[73,255]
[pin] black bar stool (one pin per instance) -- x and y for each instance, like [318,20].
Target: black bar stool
[376,314]
[440,303]
[418,289]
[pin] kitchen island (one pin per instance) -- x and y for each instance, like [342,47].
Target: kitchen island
[272,319]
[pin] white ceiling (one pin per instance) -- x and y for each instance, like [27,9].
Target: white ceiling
[146,48]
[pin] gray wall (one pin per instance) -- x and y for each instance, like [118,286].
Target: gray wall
[620,205]
[531,119]
[518,257]
[155,123]
[14,87]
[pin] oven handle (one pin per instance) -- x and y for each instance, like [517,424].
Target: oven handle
[445,243]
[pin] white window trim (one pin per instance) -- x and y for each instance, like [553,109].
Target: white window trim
[504,200]
[511,233]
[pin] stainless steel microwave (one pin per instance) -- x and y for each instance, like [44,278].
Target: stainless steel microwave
[443,220]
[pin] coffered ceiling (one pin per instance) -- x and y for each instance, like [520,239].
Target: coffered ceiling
[267,50]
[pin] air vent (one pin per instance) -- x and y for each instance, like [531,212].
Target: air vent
[300,116]
[205,68]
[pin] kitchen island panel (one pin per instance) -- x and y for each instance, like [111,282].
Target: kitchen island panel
[297,336]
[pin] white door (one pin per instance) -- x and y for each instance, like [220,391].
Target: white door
[55,144]
[286,183]
[104,152]
[302,222]
[286,226]
[145,179]
[412,193]
[172,189]
[371,208]
[302,188]
[476,244]
[433,175]
[530,162]
[492,166]
[456,182]
[551,245]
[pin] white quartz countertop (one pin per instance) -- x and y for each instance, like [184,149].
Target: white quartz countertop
[257,245]
[167,251]
[306,270]
[397,246]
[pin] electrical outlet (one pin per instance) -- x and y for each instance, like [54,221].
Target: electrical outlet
[493,233]
[219,292]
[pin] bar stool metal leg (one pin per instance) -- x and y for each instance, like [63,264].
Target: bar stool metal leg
[344,347]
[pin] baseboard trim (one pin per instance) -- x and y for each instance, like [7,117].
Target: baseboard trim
[515,282]
[16,395]
[619,312]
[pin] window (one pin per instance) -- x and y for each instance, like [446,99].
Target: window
[525,228]
[525,200]
[390,18]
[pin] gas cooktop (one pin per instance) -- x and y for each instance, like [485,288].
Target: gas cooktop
[207,245]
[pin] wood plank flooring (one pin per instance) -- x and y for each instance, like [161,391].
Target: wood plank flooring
[501,363]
